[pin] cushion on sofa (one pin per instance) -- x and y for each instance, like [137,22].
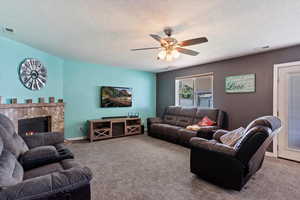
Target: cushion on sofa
[66,184]
[185,116]
[206,121]
[43,170]
[156,129]
[194,127]
[165,131]
[172,110]
[232,137]
[185,135]
[170,115]
[218,133]
[11,172]
[170,119]
[50,168]
[11,140]
[39,156]
[210,113]
[184,121]
[170,132]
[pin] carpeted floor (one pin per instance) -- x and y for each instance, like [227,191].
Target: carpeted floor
[144,168]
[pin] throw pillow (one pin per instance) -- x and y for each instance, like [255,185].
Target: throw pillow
[232,137]
[193,127]
[206,122]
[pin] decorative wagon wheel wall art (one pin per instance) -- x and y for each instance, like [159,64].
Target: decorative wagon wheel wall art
[33,74]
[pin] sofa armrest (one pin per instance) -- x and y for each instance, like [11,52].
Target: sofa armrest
[43,139]
[221,117]
[154,120]
[212,145]
[151,121]
[218,134]
[48,186]
[206,132]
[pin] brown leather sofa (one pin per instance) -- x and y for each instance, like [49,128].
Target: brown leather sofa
[172,126]
[232,167]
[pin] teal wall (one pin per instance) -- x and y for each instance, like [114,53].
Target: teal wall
[81,88]
[77,83]
[11,55]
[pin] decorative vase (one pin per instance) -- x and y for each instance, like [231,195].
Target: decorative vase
[41,100]
[51,100]
[14,101]
[28,101]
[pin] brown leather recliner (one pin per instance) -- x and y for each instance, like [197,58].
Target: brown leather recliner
[39,167]
[232,167]
[172,126]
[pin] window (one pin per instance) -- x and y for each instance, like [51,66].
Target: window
[195,91]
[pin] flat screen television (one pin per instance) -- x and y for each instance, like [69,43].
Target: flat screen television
[116,97]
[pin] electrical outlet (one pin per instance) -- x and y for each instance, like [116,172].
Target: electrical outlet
[81,129]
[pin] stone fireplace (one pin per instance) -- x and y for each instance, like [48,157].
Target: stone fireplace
[35,117]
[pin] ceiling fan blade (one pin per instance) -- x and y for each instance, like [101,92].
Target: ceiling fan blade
[193,41]
[156,37]
[187,51]
[145,48]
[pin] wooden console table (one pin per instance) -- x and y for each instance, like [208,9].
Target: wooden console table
[115,127]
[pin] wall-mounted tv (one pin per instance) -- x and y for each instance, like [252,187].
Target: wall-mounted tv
[116,97]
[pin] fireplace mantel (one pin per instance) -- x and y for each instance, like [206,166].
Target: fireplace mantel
[17,112]
[30,105]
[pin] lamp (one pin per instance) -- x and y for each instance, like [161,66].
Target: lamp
[175,53]
[169,56]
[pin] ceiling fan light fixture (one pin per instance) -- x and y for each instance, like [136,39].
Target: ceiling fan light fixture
[175,53]
[169,57]
[162,54]
[171,48]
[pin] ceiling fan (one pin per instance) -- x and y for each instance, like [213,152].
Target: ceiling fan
[171,48]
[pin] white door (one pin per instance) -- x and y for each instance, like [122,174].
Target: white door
[289,112]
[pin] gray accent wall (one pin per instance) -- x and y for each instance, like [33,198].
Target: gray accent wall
[240,108]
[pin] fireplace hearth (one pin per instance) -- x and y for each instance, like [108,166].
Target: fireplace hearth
[31,126]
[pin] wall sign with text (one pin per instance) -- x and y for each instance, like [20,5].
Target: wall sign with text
[240,84]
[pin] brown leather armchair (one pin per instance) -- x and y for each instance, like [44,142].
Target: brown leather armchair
[232,167]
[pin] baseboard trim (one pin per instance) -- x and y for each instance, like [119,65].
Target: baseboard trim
[270,154]
[77,138]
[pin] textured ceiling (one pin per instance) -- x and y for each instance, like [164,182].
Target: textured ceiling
[104,31]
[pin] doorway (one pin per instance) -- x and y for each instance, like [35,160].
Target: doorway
[287,107]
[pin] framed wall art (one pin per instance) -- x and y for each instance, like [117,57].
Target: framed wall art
[240,84]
